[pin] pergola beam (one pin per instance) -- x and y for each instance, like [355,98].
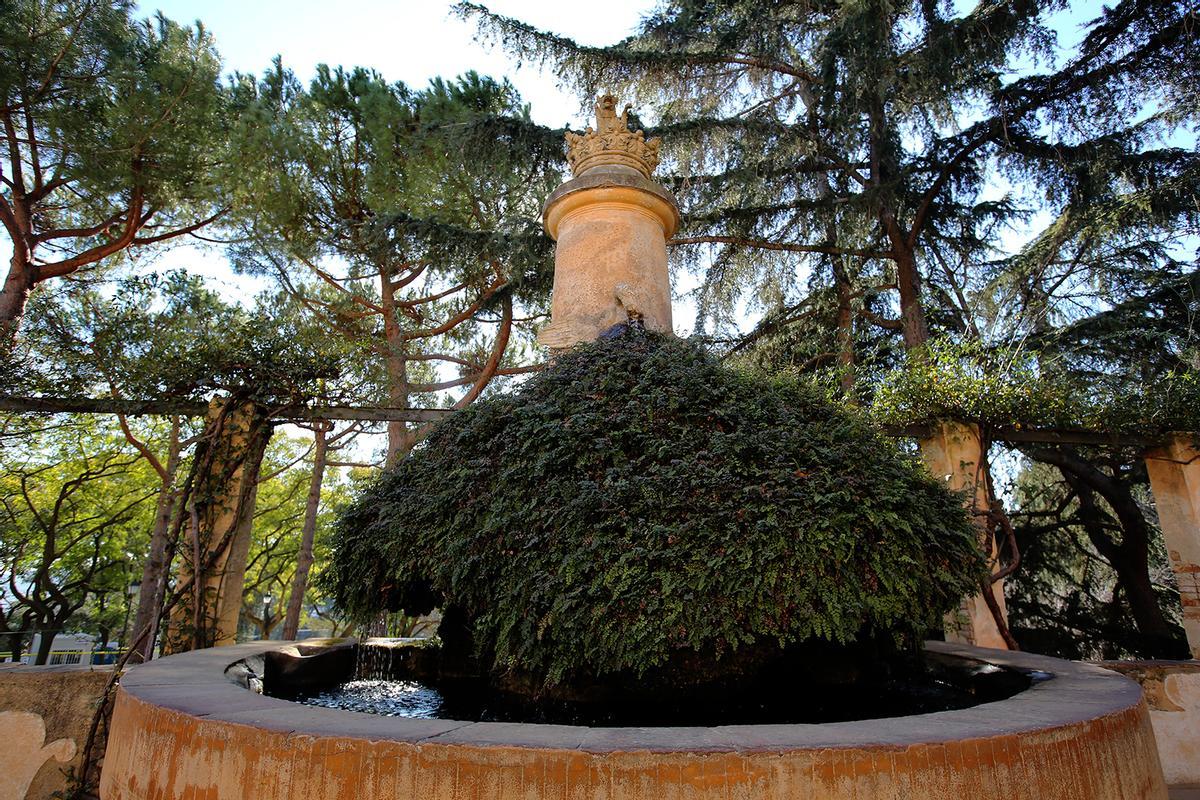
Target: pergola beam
[189,408]
[1015,435]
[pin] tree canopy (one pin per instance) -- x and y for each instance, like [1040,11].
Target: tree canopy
[834,156]
[114,137]
[407,221]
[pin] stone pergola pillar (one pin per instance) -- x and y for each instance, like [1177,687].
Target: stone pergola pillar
[611,223]
[954,454]
[1174,472]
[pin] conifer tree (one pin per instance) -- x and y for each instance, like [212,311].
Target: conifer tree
[406,220]
[855,142]
[112,138]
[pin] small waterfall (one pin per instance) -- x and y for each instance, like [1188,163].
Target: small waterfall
[373,661]
[373,658]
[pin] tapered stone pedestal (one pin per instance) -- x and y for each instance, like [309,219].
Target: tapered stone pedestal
[611,223]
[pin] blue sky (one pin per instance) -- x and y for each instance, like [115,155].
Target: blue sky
[407,40]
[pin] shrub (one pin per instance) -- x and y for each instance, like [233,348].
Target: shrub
[637,500]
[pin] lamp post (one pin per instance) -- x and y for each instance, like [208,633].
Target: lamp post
[130,593]
[266,611]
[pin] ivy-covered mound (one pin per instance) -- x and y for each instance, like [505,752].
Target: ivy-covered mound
[637,504]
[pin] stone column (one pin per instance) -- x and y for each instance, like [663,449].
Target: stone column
[954,454]
[1175,481]
[611,223]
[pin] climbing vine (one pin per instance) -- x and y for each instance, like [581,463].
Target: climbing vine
[1013,387]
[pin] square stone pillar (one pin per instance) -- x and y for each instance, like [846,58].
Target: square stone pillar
[1174,472]
[954,454]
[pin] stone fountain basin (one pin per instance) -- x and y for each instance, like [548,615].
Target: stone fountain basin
[186,727]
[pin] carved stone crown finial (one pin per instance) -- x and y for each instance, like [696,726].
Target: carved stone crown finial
[612,142]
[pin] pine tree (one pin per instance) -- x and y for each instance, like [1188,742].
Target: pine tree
[112,138]
[404,219]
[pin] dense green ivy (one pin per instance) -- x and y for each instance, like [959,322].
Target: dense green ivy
[637,500]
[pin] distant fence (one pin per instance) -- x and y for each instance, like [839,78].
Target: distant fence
[71,657]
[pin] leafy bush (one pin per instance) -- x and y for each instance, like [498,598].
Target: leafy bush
[637,501]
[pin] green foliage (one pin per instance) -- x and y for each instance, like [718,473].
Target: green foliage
[1067,600]
[637,500]
[891,150]
[448,179]
[116,136]
[961,380]
[1003,387]
[276,534]
[171,337]
[113,104]
[402,219]
[75,508]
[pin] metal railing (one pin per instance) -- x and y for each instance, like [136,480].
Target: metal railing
[58,657]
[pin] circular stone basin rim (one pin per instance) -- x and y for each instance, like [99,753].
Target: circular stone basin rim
[211,684]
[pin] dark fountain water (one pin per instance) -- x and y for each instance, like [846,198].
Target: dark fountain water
[384,682]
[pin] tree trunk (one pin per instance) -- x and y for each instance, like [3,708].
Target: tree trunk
[44,644]
[105,634]
[1161,639]
[13,298]
[16,645]
[912,310]
[304,558]
[221,508]
[397,370]
[1132,563]
[154,570]
[1130,558]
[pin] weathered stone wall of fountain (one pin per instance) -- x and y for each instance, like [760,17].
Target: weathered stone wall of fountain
[45,715]
[183,729]
[1172,690]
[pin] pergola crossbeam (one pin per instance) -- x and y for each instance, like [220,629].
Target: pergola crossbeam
[191,408]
